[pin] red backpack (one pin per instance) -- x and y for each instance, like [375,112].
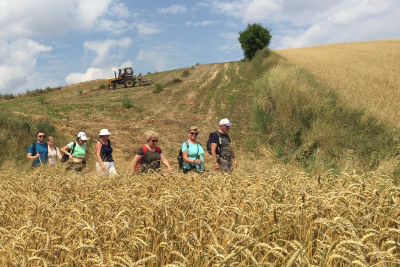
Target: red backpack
[144,153]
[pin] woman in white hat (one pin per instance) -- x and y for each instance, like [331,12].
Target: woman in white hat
[76,152]
[105,161]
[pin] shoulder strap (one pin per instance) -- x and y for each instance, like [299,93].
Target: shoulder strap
[109,142]
[144,149]
[33,148]
[158,149]
[187,144]
[73,148]
[219,135]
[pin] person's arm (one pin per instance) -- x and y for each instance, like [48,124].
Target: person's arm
[214,155]
[134,163]
[65,150]
[234,157]
[58,153]
[185,157]
[98,150]
[165,162]
[29,155]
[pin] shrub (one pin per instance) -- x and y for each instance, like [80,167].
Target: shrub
[7,96]
[102,86]
[185,73]
[172,81]
[197,64]
[158,89]
[18,132]
[127,103]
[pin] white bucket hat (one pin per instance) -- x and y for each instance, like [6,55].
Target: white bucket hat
[82,135]
[104,132]
[225,122]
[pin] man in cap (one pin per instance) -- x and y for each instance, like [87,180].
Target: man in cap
[221,150]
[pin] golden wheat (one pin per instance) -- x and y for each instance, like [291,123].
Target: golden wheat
[366,74]
[258,219]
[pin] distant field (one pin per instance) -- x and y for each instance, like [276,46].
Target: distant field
[367,74]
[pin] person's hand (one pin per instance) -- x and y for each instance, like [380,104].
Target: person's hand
[197,161]
[70,156]
[216,166]
[169,169]
[103,167]
[236,164]
[37,155]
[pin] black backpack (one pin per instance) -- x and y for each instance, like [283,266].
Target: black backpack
[180,158]
[208,144]
[65,157]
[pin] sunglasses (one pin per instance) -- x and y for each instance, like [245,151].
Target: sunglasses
[154,141]
[41,136]
[193,133]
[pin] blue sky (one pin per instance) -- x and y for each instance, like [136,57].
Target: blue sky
[54,43]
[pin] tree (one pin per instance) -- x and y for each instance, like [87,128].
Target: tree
[254,38]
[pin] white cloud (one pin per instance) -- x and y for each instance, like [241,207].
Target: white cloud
[145,28]
[105,59]
[24,19]
[231,42]
[102,48]
[17,64]
[120,10]
[356,21]
[174,9]
[201,23]
[153,57]
[91,74]
[297,23]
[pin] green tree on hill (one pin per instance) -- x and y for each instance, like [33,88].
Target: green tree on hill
[254,38]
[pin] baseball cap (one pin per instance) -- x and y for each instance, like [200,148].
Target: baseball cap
[104,132]
[82,135]
[225,122]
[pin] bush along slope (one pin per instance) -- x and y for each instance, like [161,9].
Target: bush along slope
[18,132]
[306,122]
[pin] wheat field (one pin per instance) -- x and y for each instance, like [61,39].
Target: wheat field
[270,218]
[366,74]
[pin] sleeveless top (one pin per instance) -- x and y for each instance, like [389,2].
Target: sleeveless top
[105,152]
[52,155]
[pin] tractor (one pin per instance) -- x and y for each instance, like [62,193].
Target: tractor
[125,77]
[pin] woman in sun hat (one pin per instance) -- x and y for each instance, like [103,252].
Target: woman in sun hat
[105,161]
[77,152]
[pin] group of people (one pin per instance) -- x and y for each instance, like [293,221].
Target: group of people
[148,157]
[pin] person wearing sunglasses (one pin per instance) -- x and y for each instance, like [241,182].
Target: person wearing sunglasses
[76,152]
[149,156]
[192,153]
[37,151]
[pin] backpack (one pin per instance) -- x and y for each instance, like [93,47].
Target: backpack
[144,153]
[180,158]
[208,144]
[65,157]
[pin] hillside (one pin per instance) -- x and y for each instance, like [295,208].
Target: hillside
[203,96]
[366,74]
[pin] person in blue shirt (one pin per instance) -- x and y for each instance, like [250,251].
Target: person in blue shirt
[193,155]
[37,151]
